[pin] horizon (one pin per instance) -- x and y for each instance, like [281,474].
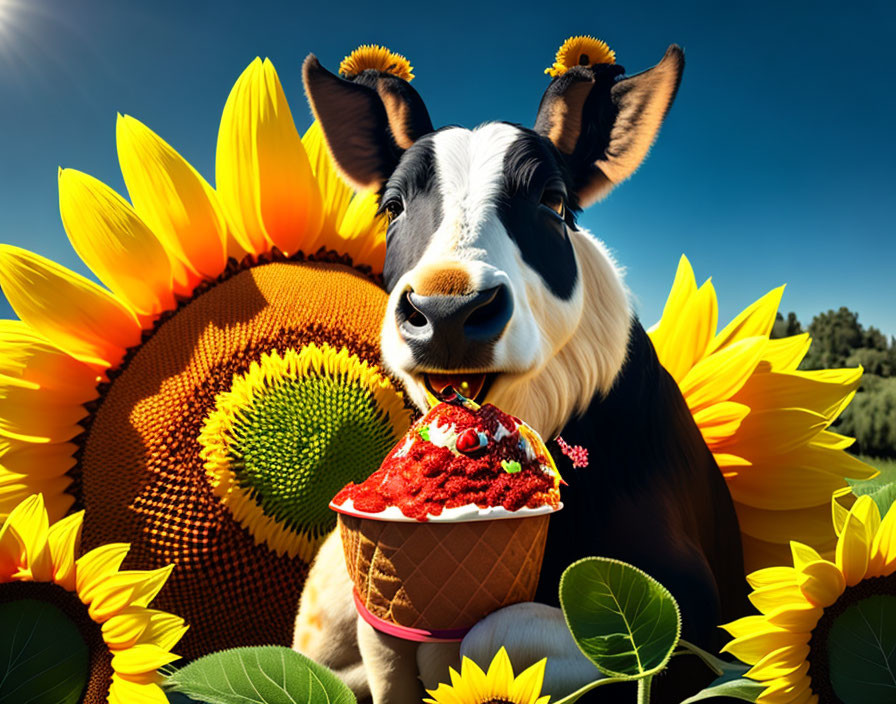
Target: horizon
[774,165]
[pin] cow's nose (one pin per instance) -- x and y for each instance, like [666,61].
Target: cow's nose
[454,323]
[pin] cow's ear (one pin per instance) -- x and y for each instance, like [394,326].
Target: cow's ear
[604,124]
[367,121]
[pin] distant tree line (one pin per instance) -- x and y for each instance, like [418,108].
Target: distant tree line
[839,340]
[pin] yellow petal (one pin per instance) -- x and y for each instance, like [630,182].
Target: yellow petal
[775,596]
[760,554]
[883,549]
[264,180]
[36,461]
[797,617]
[64,539]
[26,355]
[752,647]
[807,525]
[803,555]
[772,576]
[124,691]
[36,415]
[688,338]
[127,588]
[683,288]
[116,244]
[756,320]
[854,545]
[335,192]
[12,551]
[823,394]
[527,686]
[75,314]
[163,629]
[822,583]
[777,485]
[775,431]
[747,626]
[832,441]
[362,234]
[785,354]
[720,421]
[141,659]
[500,673]
[15,488]
[779,663]
[177,204]
[29,527]
[123,629]
[721,375]
[792,688]
[94,567]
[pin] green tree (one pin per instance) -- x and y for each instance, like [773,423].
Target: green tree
[835,336]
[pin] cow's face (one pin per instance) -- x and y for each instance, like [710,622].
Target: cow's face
[480,266]
[493,289]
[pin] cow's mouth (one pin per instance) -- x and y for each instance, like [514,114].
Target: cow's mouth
[472,385]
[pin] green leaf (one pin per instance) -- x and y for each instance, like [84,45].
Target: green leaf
[43,658]
[862,652]
[261,675]
[729,685]
[623,620]
[882,488]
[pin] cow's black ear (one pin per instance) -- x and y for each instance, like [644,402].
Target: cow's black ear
[367,122]
[604,124]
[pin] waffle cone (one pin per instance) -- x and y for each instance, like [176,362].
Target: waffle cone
[442,576]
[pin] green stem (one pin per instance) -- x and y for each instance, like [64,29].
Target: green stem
[644,690]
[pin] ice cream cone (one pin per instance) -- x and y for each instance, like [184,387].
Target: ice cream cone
[435,580]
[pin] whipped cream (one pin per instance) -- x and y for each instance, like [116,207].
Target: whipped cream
[457,514]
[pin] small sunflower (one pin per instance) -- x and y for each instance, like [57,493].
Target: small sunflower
[105,390]
[765,421]
[378,58]
[799,646]
[497,686]
[580,51]
[103,607]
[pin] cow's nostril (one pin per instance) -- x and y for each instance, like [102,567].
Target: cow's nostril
[411,314]
[489,318]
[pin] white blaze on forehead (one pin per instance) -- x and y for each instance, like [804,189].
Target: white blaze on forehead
[470,168]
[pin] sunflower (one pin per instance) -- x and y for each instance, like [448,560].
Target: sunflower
[580,51]
[203,404]
[765,421]
[804,645]
[497,686]
[379,58]
[117,643]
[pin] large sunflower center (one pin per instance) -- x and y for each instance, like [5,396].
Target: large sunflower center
[48,636]
[293,430]
[142,475]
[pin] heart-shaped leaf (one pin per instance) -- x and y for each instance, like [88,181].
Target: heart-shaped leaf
[262,675]
[862,652]
[622,619]
[43,658]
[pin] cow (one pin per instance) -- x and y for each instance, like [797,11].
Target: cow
[494,288]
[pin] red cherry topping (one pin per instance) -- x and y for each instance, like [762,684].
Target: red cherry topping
[468,441]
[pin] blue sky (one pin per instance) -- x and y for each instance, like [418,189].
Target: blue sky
[777,163]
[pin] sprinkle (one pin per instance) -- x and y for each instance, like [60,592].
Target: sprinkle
[577,453]
[511,467]
[423,431]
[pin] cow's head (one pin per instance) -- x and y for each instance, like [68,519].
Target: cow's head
[492,285]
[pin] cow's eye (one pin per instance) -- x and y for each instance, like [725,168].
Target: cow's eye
[554,201]
[393,208]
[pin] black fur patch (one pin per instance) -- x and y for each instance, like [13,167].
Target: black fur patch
[532,165]
[652,495]
[414,183]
